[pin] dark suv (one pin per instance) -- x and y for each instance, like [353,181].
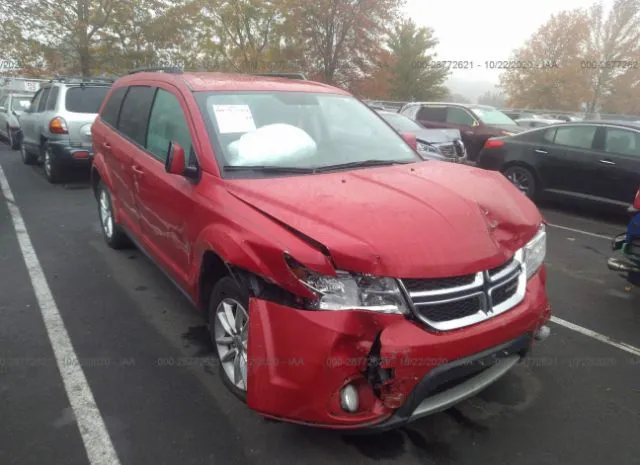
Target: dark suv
[476,123]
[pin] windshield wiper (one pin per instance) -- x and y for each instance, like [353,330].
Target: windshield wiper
[269,169]
[362,164]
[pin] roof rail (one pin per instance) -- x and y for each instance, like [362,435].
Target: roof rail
[82,80]
[300,76]
[163,69]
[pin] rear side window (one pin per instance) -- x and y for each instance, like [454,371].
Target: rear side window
[622,141]
[53,98]
[85,99]
[111,109]
[432,114]
[167,124]
[459,116]
[134,114]
[43,99]
[576,136]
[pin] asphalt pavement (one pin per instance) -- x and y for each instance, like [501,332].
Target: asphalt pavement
[152,386]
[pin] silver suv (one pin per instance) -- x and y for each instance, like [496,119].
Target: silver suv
[56,128]
[11,107]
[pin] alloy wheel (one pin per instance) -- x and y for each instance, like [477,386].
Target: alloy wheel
[231,332]
[47,162]
[106,215]
[520,179]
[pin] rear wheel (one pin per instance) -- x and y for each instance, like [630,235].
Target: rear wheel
[523,179]
[52,169]
[113,234]
[229,332]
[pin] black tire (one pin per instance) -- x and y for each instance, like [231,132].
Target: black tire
[226,288]
[27,157]
[116,238]
[51,165]
[13,138]
[523,179]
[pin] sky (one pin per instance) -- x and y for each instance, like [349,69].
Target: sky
[482,30]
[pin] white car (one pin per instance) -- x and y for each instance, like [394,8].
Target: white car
[11,107]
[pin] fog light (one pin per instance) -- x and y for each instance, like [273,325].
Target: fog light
[349,399]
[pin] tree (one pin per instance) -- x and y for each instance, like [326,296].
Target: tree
[494,99]
[458,98]
[547,72]
[415,76]
[377,85]
[614,39]
[340,39]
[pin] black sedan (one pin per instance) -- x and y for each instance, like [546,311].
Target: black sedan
[434,144]
[598,162]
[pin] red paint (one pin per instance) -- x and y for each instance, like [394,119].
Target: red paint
[493,144]
[410,139]
[422,220]
[636,201]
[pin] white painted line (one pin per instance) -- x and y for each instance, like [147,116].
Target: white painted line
[95,437]
[600,337]
[577,231]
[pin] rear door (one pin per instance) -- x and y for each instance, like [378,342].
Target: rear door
[621,157]
[432,116]
[165,201]
[81,105]
[128,108]
[570,163]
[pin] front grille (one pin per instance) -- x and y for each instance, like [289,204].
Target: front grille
[437,283]
[451,303]
[448,150]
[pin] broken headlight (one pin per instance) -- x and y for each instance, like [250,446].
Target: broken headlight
[350,291]
[427,149]
[535,252]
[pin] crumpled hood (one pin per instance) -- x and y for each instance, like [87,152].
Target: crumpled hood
[437,135]
[428,219]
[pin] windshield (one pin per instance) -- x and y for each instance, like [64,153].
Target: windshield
[401,123]
[85,99]
[299,130]
[492,116]
[20,103]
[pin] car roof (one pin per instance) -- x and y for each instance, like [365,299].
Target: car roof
[470,106]
[618,124]
[213,81]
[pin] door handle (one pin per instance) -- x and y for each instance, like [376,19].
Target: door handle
[544,152]
[137,170]
[607,162]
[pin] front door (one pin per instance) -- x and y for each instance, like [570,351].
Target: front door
[27,122]
[165,201]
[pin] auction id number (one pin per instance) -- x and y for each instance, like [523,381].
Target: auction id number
[624,64]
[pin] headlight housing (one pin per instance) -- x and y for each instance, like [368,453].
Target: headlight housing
[535,252]
[350,291]
[426,149]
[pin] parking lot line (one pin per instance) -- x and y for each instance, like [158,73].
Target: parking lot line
[597,336]
[578,231]
[95,437]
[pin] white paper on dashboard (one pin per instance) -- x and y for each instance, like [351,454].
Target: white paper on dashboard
[234,118]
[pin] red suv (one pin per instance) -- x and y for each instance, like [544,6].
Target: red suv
[346,282]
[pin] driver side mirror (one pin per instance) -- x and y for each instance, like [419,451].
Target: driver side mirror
[176,163]
[411,140]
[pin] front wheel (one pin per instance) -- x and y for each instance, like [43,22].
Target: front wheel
[523,179]
[14,138]
[229,332]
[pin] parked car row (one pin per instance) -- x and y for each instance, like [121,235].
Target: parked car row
[346,281]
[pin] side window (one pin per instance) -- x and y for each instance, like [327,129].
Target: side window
[549,135]
[111,109]
[459,116]
[576,136]
[167,124]
[438,114]
[43,99]
[135,113]
[36,100]
[53,98]
[410,111]
[622,141]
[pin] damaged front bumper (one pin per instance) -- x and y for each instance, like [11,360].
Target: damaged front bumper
[301,361]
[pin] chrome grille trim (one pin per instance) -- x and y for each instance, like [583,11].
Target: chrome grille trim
[485,284]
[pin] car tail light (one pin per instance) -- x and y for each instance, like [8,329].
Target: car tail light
[636,201]
[58,126]
[82,154]
[493,144]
